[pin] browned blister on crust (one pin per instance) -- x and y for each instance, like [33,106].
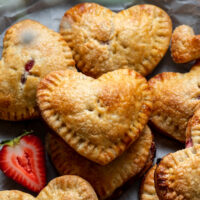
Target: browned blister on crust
[177,177]
[102,41]
[147,190]
[185,44]
[175,98]
[67,187]
[104,179]
[30,51]
[99,118]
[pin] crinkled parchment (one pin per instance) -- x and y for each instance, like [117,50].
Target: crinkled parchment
[49,13]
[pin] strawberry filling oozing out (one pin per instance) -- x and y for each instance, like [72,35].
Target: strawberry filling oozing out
[24,163]
[27,68]
[189,143]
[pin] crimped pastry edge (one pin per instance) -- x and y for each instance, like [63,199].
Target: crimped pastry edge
[29,112]
[105,156]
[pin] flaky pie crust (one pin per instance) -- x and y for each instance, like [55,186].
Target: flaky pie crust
[67,187]
[104,179]
[147,190]
[175,98]
[30,45]
[99,118]
[102,41]
[185,44]
[193,129]
[178,175]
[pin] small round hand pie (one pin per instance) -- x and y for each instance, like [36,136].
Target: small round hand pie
[30,51]
[104,179]
[185,45]
[193,130]
[65,187]
[61,188]
[147,190]
[99,118]
[175,98]
[103,41]
[68,188]
[177,177]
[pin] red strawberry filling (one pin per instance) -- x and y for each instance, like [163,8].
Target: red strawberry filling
[28,67]
[189,143]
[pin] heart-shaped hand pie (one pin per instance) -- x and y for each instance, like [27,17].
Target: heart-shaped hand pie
[175,98]
[185,45]
[103,41]
[147,190]
[61,188]
[99,118]
[104,179]
[178,175]
[193,130]
[30,52]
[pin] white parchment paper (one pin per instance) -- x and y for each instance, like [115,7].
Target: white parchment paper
[49,13]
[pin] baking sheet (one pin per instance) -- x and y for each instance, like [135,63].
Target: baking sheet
[49,13]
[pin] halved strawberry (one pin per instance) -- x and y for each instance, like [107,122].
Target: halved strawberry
[22,159]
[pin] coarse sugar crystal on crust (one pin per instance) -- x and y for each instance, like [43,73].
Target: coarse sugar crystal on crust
[102,40]
[104,179]
[175,98]
[30,51]
[99,118]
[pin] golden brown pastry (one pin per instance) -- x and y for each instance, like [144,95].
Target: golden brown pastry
[102,41]
[61,188]
[99,118]
[147,190]
[68,188]
[177,177]
[175,98]
[185,45]
[193,130]
[104,179]
[30,51]
[15,195]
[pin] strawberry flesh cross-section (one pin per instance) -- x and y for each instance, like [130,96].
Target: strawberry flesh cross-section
[22,159]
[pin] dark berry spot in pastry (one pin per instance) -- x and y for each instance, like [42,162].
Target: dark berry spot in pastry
[158,160]
[23,78]
[28,66]
[189,143]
